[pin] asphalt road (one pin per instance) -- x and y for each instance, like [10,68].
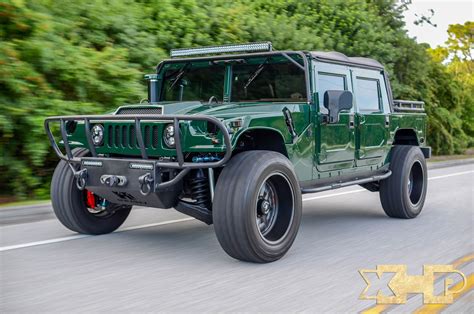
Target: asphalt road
[161,260]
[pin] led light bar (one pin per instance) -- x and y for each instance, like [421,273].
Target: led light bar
[250,47]
[141,166]
[92,163]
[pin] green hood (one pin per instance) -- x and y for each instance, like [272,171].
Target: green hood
[248,110]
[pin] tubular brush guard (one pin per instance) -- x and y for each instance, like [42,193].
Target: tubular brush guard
[116,180]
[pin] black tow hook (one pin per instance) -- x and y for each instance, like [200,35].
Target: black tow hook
[81,177]
[146,182]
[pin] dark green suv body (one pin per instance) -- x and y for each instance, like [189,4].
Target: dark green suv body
[235,139]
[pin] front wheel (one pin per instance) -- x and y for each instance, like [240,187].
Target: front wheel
[82,211]
[257,206]
[403,193]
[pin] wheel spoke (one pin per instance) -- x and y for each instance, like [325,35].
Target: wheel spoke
[267,208]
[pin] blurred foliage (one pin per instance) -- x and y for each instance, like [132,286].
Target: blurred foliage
[452,124]
[87,57]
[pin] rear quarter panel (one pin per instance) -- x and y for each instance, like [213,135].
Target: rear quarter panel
[413,121]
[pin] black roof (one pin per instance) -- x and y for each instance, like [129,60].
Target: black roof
[337,57]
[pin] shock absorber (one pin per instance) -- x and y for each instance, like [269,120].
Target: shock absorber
[200,189]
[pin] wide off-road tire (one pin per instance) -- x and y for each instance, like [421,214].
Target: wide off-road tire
[257,206]
[403,193]
[69,204]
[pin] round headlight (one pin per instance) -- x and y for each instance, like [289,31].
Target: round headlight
[168,136]
[97,134]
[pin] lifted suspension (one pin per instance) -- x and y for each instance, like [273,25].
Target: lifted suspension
[200,190]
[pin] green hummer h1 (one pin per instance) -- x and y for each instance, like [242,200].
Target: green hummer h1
[236,139]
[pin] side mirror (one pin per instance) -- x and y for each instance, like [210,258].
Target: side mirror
[336,101]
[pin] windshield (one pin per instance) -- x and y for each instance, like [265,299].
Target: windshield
[194,83]
[266,79]
[269,82]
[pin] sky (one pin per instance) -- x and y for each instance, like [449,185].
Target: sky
[446,12]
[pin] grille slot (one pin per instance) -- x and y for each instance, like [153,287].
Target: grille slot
[132,136]
[146,136]
[110,135]
[155,137]
[117,136]
[124,136]
[141,110]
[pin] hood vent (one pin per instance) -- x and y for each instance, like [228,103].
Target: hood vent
[140,110]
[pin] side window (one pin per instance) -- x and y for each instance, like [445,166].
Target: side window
[384,93]
[329,82]
[367,94]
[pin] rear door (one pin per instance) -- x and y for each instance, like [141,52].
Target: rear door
[335,142]
[372,119]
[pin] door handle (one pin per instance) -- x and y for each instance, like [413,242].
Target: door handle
[351,121]
[361,119]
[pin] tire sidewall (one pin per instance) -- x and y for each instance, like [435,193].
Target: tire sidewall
[414,156]
[70,207]
[95,224]
[246,210]
[273,249]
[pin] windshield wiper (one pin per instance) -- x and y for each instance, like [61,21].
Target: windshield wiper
[256,73]
[180,74]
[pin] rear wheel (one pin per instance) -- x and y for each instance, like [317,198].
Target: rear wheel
[257,206]
[82,211]
[403,193]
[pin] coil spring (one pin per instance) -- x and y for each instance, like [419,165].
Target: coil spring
[200,191]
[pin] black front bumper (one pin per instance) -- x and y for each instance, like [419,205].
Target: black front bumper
[131,182]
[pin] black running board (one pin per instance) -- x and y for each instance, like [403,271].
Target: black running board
[347,183]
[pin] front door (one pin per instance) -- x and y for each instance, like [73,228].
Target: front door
[335,142]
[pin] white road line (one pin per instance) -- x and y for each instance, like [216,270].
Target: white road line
[20,246]
[80,236]
[363,190]
[451,175]
[333,194]
[155,224]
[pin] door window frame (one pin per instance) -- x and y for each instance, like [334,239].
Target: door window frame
[372,75]
[379,95]
[330,69]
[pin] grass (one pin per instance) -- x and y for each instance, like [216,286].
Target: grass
[24,203]
[468,154]
[449,157]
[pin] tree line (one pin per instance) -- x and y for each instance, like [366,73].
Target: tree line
[85,57]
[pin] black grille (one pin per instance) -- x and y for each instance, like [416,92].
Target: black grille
[117,135]
[141,110]
[146,136]
[132,136]
[125,136]
[154,137]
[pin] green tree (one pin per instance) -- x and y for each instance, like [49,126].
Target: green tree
[456,58]
[88,56]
